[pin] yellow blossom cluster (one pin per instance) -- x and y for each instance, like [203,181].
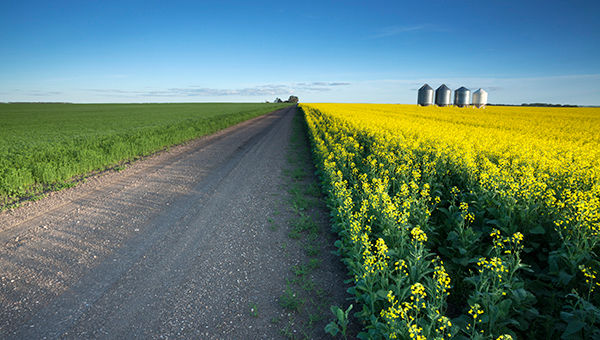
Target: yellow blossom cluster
[415,332]
[464,208]
[590,277]
[475,312]
[408,311]
[494,264]
[375,259]
[442,279]
[505,337]
[418,234]
[507,245]
[401,267]
[444,326]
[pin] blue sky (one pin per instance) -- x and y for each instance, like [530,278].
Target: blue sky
[335,51]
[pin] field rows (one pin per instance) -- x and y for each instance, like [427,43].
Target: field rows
[465,223]
[43,146]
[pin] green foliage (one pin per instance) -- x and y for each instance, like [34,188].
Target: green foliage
[340,324]
[581,317]
[43,146]
[290,300]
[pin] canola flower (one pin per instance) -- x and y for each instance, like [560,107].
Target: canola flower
[505,337]
[415,332]
[590,277]
[495,265]
[464,208]
[475,313]
[418,234]
[408,312]
[444,325]
[442,279]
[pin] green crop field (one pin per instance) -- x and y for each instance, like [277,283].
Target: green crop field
[44,146]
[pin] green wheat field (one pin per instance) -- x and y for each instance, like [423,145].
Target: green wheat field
[46,146]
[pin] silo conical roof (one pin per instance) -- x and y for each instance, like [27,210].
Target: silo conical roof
[425,95]
[461,96]
[442,95]
[480,98]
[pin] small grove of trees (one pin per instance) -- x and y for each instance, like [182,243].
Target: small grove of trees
[547,105]
[536,105]
[291,99]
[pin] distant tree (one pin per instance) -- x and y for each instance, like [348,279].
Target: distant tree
[292,99]
[278,100]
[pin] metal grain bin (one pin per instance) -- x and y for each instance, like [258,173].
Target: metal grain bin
[425,96]
[462,97]
[480,98]
[442,96]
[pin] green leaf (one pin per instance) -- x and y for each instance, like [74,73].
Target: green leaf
[492,222]
[537,230]
[339,314]
[444,211]
[504,307]
[522,324]
[382,294]
[520,295]
[452,236]
[332,328]
[463,261]
[363,335]
[444,251]
[564,278]
[572,328]
[338,244]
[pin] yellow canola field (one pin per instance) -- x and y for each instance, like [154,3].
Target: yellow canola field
[523,152]
[490,211]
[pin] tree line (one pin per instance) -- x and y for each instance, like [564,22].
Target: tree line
[291,99]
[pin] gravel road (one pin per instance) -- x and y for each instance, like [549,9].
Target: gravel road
[174,246]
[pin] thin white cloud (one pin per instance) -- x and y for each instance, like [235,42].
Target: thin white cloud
[198,91]
[391,31]
[32,92]
[322,83]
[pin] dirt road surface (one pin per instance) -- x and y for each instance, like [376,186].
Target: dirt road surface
[175,246]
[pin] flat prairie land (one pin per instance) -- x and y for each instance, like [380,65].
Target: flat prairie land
[44,146]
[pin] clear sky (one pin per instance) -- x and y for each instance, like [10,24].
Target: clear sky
[334,51]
